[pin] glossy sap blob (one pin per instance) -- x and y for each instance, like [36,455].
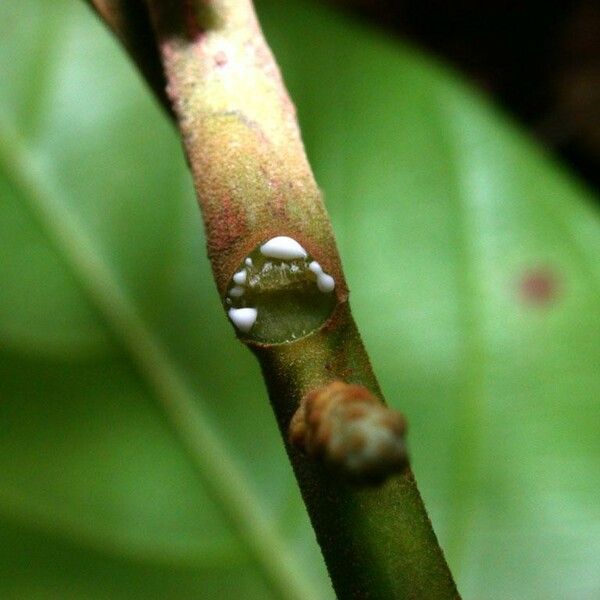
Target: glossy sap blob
[279,294]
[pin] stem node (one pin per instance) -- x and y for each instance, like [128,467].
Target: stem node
[352,431]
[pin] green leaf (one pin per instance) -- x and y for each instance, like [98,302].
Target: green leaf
[138,454]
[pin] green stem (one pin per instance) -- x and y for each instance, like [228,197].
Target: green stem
[254,182]
[377,541]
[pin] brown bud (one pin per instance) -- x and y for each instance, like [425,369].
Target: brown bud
[351,430]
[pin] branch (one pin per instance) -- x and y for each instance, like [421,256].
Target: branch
[279,276]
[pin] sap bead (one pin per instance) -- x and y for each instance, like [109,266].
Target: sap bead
[240,277]
[283,248]
[325,283]
[236,291]
[243,318]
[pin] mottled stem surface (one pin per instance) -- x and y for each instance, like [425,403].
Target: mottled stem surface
[254,182]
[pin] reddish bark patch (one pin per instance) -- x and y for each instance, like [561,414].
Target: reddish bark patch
[228,226]
[279,201]
[220,59]
[539,286]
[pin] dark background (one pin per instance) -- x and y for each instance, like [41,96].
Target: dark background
[540,61]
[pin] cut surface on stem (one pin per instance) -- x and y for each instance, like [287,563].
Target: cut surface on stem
[279,294]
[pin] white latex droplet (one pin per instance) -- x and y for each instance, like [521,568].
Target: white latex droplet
[248,262]
[325,283]
[315,267]
[283,248]
[236,291]
[240,277]
[243,318]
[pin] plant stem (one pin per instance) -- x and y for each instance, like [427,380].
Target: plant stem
[377,541]
[254,182]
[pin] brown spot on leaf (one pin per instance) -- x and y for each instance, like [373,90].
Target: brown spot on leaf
[539,285]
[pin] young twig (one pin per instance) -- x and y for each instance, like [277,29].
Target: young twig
[280,278]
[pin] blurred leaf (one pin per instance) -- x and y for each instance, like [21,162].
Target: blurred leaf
[474,264]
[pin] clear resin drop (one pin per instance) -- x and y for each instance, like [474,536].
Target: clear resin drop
[279,293]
